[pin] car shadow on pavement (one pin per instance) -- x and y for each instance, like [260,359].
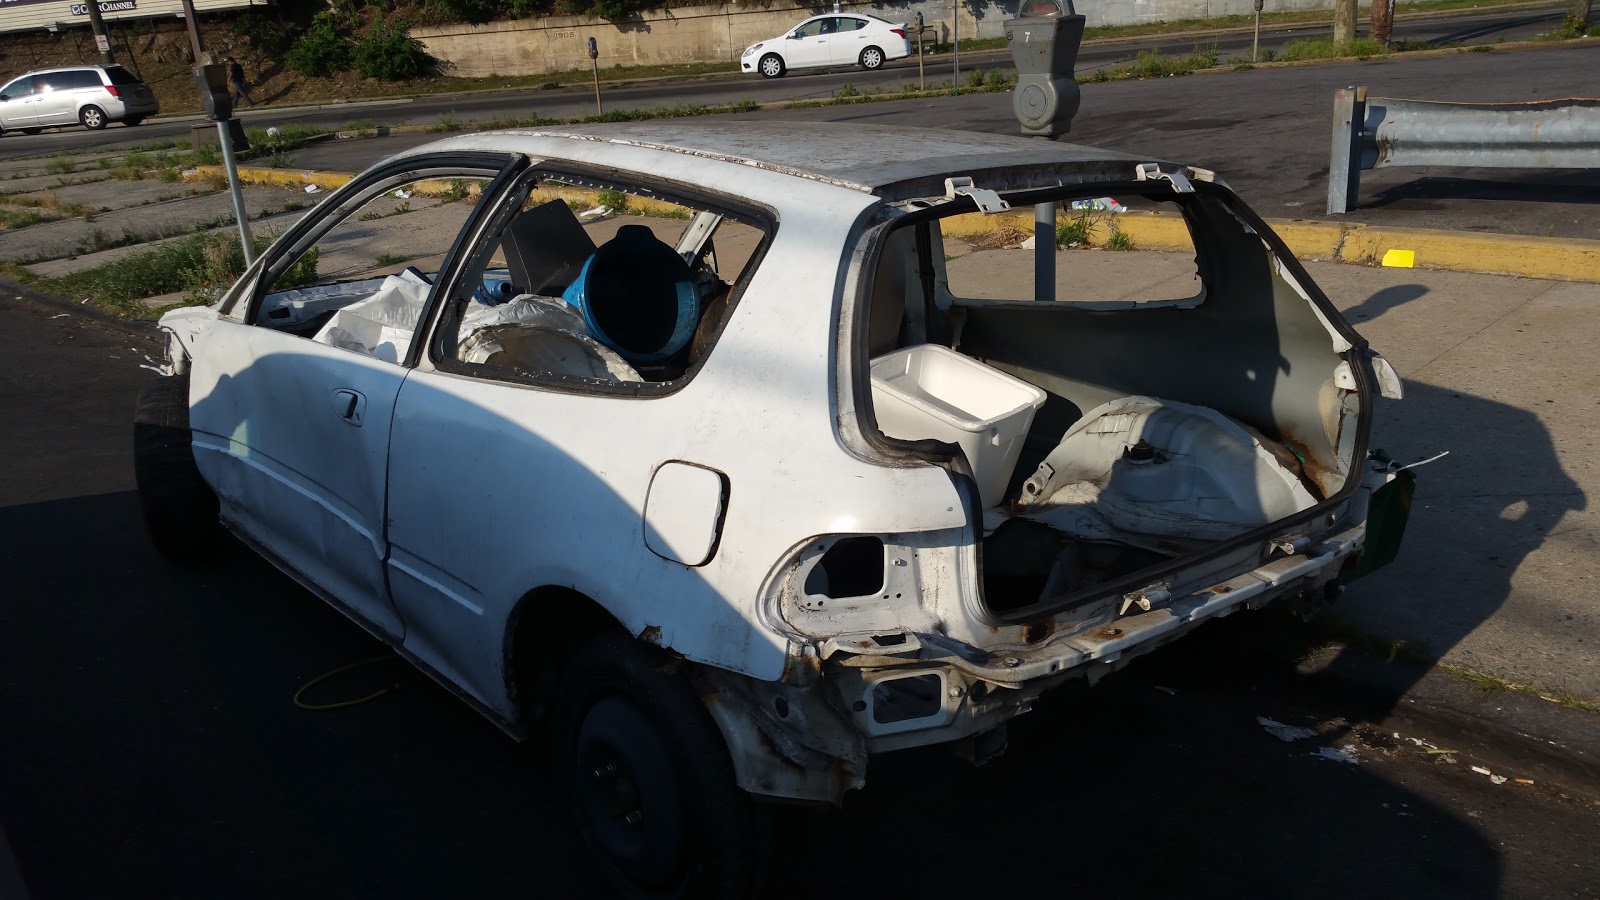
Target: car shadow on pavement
[1492,184]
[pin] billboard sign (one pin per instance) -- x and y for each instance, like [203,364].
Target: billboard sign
[37,15]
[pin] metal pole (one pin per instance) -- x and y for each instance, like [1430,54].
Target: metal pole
[233,188]
[1255,42]
[97,24]
[922,81]
[1044,252]
[1344,162]
[596,64]
[955,40]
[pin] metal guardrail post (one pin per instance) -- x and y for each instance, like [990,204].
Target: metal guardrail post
[1044,251]
[1344,162]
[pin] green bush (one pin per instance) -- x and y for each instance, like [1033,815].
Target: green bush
[467,10]
[389,53]
[322,50]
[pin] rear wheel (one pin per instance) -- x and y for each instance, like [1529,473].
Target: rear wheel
[871,58]
[772,66]
[650,779]
[133,120]
[180,511]
[92,117]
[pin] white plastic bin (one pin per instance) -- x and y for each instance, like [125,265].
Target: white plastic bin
[929,391]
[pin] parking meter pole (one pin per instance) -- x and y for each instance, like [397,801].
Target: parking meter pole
[955,40]
[594,63]
[1044,252]
[922,81]
[1255,42]
[232,166]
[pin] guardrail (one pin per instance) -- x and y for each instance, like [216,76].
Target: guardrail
[1374,132]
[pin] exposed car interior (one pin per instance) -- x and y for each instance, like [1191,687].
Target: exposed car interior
[611,297]
[1111,435]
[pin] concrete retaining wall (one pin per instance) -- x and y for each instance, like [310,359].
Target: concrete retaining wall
[719,33]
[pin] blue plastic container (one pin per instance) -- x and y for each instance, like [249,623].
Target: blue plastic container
[637,296]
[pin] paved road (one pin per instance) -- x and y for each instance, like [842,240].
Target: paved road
[1474,28]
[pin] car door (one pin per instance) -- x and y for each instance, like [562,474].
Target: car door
[293,389]
[847,44]
[808,45]
[54,99]
[17,109]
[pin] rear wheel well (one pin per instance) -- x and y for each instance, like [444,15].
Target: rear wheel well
[547,626]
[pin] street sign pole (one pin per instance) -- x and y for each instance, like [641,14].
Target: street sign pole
[102,41]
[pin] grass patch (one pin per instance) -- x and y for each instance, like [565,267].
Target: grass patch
[1119,240]
[61,165]
[390,259]
[361,127]
[448,122]
[1076,230]
[1155,64]
[616,201]
[202,265]
[1571,27]
[289,137]
[12,219]
[54,203]
[1325,48]
[679,111]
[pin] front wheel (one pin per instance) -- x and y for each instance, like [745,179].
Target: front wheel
[871,59]
[92,117]
[772,66]
[32,130]
[650,780]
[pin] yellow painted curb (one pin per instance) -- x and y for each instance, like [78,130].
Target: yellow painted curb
[1561,259]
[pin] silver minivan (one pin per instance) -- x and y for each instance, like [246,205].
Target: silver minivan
[91,96]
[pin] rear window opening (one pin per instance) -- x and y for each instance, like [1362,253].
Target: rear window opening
[119,75]
[1170,397]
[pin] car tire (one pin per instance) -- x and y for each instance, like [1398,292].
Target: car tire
[872,59]
[133,120]
[649,778]
[92,117]
[179,508]
[772,66]
[32,130]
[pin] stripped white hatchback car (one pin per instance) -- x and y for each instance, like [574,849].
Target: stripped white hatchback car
[734,494]
[828,41]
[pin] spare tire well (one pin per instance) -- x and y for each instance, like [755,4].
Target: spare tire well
[546,627]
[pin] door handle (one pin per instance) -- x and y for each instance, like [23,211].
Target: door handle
[349,405]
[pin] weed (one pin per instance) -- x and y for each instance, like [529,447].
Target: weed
[208,155]
[390,259]
[123,173]
[447,122]
[171,174]
[1077,230]
[1481,48]
[103,162]
[359,125]
[616,201]
[61,165]
[457,189]
[847,90]
[388,52]
[279,161]
[1325,48]
[11,220]
[1242,67]
[136,160]
[1119,240]
[1571,27]
[400,210]
[370,215]
[974,77]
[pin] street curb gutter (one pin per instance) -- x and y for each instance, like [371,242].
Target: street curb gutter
[136,327]
[1560,259]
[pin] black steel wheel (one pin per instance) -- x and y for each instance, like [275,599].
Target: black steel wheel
[650,780]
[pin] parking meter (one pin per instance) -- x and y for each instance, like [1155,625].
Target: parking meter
[1044,44]
[594,49]
[214,94]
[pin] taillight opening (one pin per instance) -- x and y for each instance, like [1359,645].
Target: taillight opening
[114,91]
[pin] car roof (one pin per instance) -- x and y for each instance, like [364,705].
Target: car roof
[85,67]
[893,162]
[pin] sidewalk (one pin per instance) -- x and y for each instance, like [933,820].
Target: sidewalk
[1498,569]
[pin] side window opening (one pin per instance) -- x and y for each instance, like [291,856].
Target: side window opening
[363,284]
[590,284]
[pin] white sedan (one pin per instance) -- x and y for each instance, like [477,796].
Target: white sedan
[831,40]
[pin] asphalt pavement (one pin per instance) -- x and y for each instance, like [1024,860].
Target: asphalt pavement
[576,100]
[151,747]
